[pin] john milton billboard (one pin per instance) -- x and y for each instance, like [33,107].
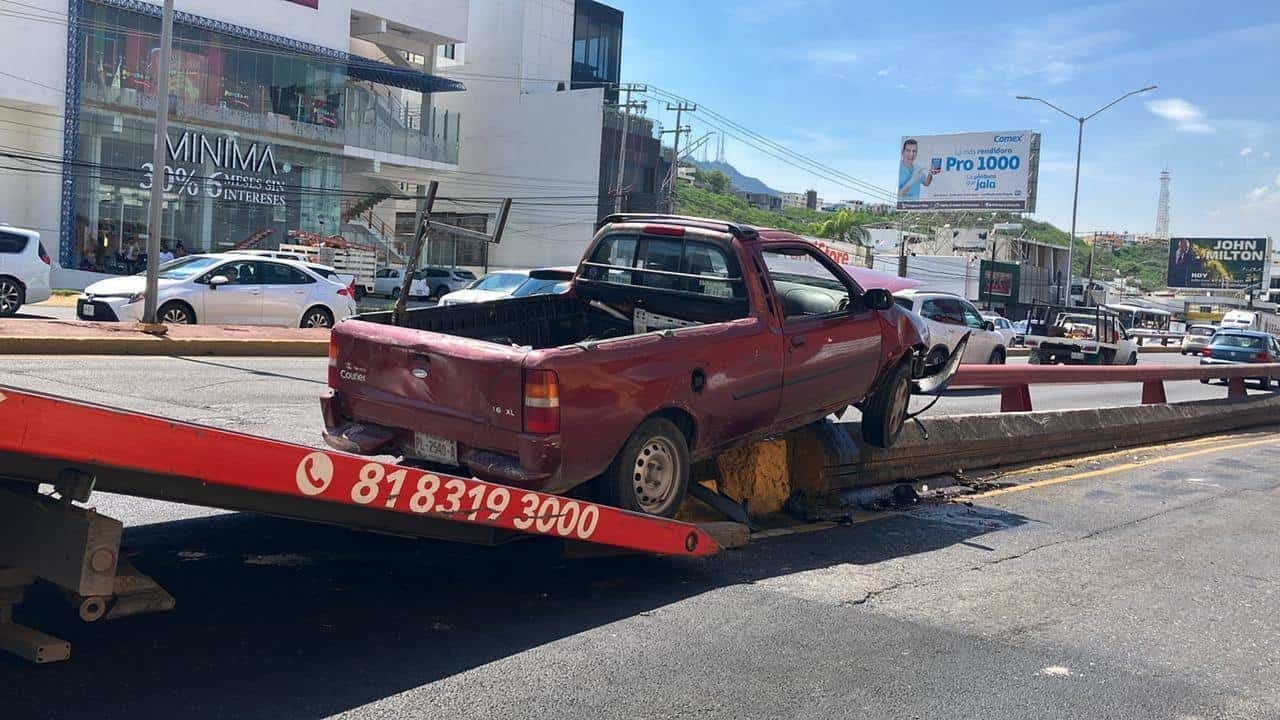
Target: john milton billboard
[1221,263]
[969,171]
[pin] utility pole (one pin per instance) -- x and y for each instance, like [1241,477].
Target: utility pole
[625,109]
[155,210]
[679,109]
[902,251]
[422,219]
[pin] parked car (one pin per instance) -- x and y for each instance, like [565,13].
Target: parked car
[1020,333]
[24,269]
[1004,327]
[1197,337]
[1236,347]
[225,289]
[950,317]
[1078,336]
[442,281]
[679,338]
[388,282]
[512,283]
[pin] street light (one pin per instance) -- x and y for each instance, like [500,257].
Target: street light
[1075,199]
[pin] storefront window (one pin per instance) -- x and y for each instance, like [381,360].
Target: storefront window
[249,154]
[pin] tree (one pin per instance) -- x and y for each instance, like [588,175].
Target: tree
[845,226]
[718,182]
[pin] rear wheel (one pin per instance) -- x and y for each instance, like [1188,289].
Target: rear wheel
[176,313]
[1133,359]
[884,412]
[651,474]
[395,293]
[997,357]
[12,296]
[317,317]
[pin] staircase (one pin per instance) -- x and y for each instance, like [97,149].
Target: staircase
[255,239]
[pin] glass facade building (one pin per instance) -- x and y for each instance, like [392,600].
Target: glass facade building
[597,46]
[257,139]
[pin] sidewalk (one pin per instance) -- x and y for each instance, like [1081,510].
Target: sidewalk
[71,337]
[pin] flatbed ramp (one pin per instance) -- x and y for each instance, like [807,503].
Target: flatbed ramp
[79,447]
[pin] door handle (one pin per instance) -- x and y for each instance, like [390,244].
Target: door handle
[255,291]
[797,341]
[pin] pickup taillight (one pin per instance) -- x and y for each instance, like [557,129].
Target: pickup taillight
[333,361]
[1264,357]
[541,402]
[1206,351]
[1031,343]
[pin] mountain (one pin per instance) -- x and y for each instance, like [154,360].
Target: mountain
[740,181]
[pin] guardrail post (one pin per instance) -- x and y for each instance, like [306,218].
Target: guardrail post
[1015,398]
[1235,388]
[1153,392]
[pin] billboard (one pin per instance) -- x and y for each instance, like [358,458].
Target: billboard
[969,171]
[998,282]
[1222,263]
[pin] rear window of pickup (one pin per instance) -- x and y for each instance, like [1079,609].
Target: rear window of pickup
[665,263]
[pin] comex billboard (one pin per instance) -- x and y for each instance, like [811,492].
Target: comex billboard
[1222,263]
[969,171]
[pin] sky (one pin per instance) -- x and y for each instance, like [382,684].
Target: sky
[842,82]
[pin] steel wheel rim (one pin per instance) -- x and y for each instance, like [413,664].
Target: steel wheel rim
[175,315]
[9,297]
[317,319]
[654,476]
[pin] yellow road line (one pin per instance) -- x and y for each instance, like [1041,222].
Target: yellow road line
[1075,460]
[1120,468]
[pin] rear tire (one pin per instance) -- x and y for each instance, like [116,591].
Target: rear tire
[1133,359]
[884,412]
[12,296]
[651,473]
[317,317]
[997,357]
[395,293]
[176,313]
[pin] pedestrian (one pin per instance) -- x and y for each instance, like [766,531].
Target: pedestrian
[165,255]
[180,250]
[131,255]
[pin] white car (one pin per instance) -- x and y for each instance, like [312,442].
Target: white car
[948,318]
[1004,327]
[512,283]
[24,269]
[388,281]
[442,281]
[225,289]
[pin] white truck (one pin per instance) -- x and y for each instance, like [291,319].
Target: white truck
[1077,336]
[1252,320]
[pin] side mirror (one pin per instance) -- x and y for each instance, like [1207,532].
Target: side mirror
[988,325]
[877,299]
[218,280]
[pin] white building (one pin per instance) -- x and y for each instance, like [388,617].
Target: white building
[297,117]
[794,200]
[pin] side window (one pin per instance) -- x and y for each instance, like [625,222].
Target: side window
[905,304]
[934,309]
[240,272]
[277,274]
[12,243]
[972,317]
[616,251]
[806,286]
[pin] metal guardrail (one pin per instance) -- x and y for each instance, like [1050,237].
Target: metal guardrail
[1015,382]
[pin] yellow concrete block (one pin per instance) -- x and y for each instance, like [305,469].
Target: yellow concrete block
[758,474]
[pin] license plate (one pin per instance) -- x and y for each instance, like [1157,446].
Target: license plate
[87,310]
[432,447]
[1077,356]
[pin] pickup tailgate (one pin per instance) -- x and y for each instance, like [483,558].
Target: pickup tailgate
[428,382]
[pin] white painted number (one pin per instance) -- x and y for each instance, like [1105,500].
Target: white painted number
[397,482]
[425,498]
[365,490]
[453,500]
[529,505]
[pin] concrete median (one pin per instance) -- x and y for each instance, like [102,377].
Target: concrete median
[59,337]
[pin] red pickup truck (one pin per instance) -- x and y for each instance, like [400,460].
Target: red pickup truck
[678,339]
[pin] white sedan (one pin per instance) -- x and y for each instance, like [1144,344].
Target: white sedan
[225,289]
[948,318]
[512,283]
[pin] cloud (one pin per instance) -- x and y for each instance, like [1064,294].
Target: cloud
[1266,155]
[1246,151]
[1264,194]
[884,71]
[1214,213]
[1257,193]
[814,142]
[1184,116]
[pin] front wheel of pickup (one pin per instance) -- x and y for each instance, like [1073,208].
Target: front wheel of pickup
[884,412]
[651,474]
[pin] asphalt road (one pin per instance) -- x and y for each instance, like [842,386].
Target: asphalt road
[1143,585]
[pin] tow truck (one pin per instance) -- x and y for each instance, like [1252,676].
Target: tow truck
[1077,336]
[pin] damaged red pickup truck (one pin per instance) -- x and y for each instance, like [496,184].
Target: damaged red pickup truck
[678,339]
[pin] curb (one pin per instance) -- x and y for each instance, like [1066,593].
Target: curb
[148,345]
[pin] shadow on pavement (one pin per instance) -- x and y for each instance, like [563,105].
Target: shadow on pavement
[288,619]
